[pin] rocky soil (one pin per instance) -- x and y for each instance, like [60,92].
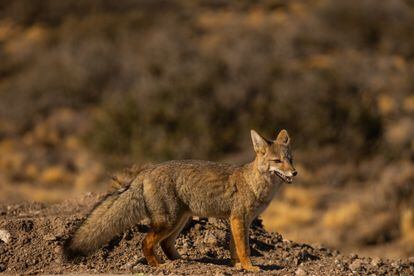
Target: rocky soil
[33,234]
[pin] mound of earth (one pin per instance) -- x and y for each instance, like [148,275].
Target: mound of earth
[33,235]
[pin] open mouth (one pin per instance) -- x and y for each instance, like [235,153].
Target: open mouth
[285,178]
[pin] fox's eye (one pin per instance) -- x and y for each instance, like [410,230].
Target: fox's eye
[277,160]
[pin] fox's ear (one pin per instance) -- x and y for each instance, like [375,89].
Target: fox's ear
[283,137]
[259,143]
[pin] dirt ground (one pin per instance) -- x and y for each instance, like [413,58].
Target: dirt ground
[37,232]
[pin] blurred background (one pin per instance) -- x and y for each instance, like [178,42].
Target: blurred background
[88,87]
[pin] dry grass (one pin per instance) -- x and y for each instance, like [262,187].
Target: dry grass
[343,216]
[407,225]
[294,209]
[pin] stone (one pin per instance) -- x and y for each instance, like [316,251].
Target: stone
[300,272]
[355,265]
[353,256]
[49,237]
[210,239]
[5,236]
[376,262]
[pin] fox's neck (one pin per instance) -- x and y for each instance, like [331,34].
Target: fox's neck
[261,184]
[252,173]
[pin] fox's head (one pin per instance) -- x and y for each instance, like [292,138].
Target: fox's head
[274,158]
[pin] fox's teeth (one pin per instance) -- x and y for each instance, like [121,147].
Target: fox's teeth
[285,178]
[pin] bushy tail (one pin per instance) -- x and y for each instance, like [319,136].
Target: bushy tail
[113,215]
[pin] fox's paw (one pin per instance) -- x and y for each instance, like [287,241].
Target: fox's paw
[154,261]
[235,263]
[172,254]
[250,268]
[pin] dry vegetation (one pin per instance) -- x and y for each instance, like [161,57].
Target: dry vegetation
[89,86]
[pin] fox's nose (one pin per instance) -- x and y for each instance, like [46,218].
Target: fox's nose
[294,173]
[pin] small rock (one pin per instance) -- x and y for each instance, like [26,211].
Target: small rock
[395,264]
[128,266]
[300,272]
[376,262]
[353,256]
[49,237]
[355,265]
[27,225]
[210,239]
[337,261]
[2,267]
[25,241]
[294,244]
[5,236]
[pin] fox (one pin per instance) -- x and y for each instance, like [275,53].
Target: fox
[168,194]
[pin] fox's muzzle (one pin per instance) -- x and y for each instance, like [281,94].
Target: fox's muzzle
[286,177]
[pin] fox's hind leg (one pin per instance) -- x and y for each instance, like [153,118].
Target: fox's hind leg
[165,212]
[164,230]
[151,240]
[168,244]
[148,248]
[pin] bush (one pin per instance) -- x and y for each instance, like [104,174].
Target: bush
[191,80]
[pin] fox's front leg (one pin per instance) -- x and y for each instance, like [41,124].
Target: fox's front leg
[239,231]
[234,258]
